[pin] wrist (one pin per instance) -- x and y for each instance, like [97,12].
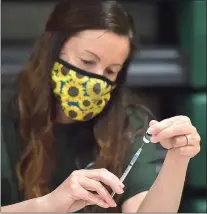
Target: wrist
[176,158]
[43,204]
[53,203]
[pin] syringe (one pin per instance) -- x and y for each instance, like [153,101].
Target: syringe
[146,139]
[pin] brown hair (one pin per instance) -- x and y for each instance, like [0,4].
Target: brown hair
[36,101]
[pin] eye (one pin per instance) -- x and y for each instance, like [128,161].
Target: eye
[110,72]
[88,62]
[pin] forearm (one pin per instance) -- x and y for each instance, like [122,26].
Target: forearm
[32,205]
[165,194]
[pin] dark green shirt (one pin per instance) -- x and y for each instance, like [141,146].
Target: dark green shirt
[76,149]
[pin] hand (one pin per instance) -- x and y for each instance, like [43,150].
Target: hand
[172,133]
[82,188]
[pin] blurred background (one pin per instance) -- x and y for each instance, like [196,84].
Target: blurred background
[168,70]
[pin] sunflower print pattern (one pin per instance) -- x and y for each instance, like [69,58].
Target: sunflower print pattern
[82,97]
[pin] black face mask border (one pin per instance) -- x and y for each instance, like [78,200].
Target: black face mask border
[84,73]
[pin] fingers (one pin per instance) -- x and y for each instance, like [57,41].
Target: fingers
[175,142]
[176,133]
[181,141]
[172,131]
[83,180]
[92,199]
[158,127]
[77,193]
[106,177]
[187,140]
[94,185]
[188,150]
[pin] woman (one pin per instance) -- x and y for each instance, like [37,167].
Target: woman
[72,109]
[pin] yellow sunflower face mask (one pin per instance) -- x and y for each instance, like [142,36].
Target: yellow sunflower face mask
[82,95]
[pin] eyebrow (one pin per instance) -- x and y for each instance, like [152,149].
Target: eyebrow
[92,54]
[116,64]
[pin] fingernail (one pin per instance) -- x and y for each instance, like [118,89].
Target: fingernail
[120,191]
[153,139]
[114,204]
[151,130]
[122,185]
[106,206]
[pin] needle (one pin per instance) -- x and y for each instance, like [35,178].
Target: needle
[146,139]
[127,170]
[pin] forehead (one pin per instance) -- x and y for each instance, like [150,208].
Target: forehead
[100,42]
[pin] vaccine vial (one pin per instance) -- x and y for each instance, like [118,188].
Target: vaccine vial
[146,138]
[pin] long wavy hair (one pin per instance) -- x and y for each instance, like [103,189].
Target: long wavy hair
[37,109]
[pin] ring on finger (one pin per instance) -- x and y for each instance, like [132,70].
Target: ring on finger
[187,141]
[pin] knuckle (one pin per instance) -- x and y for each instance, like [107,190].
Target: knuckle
[186,118]
[91,197]
[75,194]
[100,187]
[73,190]
[180,117]
[73,186]
[75,173]
[173,129]
[112,175]
[102,172]
[199,149]
[186,125]
[177,140]
[73,180]
[198,138]
[194,129]
[95,183]
[87,194]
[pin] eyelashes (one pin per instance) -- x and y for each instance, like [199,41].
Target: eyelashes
[88,62]
[92,63]
[110,72]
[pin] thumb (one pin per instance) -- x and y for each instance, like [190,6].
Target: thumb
[153,122]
